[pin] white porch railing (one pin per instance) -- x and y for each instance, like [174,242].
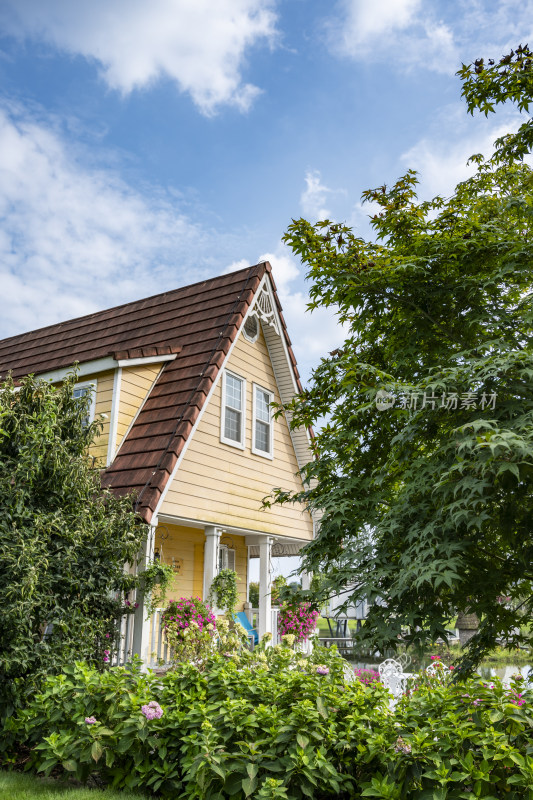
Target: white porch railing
[124,642]
[253,616]
[158,651]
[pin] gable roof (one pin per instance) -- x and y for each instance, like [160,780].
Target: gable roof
[199,322]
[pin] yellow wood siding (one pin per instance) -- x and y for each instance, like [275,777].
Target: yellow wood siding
[224,485]
[186,546]
[104,396]
[135,385]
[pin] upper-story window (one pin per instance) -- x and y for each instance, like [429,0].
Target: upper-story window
[262,424]
[82,390]
[233,410]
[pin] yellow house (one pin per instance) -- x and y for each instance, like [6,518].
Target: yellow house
[184,381]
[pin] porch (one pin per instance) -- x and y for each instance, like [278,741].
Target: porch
[197,554]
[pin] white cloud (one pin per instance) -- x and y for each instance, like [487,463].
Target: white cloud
[392,30]
[284,269]
[421,35]
[441,156]
[75,239]
[199,44]
[313,198]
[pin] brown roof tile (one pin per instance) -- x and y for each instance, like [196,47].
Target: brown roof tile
[197,322]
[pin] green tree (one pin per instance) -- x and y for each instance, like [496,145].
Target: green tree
[63,540]
[253,594]
[428,510]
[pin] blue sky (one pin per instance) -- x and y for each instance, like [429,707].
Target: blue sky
[144,146]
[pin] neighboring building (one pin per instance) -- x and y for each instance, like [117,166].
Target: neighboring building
[184,380]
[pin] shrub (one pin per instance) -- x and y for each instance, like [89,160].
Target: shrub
[267,725]
[63,540]
[273,724]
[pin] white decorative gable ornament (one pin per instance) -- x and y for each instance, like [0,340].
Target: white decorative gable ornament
[265,309]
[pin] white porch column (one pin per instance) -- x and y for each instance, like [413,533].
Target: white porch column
[265,586]
[212,539]
[141,625]
[306,580]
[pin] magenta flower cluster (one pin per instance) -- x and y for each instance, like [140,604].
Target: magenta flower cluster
[367,676]
[300,621]
[152,711]
[180,613]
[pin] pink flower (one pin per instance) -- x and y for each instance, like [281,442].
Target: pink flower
[91,720]
[152,711]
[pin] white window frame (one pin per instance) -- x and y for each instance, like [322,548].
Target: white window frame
[255,449]
[223,438]
[92,386]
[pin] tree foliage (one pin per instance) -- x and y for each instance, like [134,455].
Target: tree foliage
[63,541]
[428,509]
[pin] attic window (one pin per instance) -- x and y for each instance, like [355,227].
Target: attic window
[251,328]
[79,392]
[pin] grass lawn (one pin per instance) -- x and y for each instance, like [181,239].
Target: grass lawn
[323,629]
[14,786]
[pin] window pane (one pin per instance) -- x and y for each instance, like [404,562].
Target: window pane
[232,424]
[233,392]
[262,410]
[79,392]
[262,436]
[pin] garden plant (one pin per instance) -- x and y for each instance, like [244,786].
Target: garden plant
[63,540]
[274,724]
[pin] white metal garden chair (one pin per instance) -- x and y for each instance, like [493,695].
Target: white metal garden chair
[393,678]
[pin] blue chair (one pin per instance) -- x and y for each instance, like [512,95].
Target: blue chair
[246,624]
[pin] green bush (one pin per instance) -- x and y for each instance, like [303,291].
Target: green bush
[63,540]
[260,727]
[273,724]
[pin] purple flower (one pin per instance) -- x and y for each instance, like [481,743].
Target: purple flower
[91,720]
[322,670]
[152,711]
